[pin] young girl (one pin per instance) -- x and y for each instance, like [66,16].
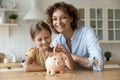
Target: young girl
[36,56]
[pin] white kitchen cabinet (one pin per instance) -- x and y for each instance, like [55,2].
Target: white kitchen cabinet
[96,21]
[82,16]
[104,21]
[113,24]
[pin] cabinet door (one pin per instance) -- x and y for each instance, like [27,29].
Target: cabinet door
[113,24]
[104,21]
[96,21]
[82,16]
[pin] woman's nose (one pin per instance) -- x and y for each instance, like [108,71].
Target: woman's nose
[59,21]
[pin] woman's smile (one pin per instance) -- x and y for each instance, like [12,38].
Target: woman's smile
[61,21]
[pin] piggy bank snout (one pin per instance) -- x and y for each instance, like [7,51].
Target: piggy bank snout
[59,63]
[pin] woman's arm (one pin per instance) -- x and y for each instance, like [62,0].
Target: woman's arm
[83,60]
[92,49]
[30,66]
[69,62]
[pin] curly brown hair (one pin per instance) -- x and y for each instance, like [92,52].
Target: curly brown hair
[67,8]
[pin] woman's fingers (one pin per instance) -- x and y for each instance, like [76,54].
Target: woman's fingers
[60,48]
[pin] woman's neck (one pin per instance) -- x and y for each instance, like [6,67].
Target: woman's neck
[68,34]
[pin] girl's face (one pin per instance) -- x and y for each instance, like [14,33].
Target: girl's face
[61,21]
[43,39]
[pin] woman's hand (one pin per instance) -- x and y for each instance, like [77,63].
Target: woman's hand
[60,48]
[66,55]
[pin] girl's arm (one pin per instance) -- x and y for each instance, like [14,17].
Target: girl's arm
[30,66]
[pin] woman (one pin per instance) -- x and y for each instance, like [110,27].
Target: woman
[81,42]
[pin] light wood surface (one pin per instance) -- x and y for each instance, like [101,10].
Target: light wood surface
[18,64]
[107,74]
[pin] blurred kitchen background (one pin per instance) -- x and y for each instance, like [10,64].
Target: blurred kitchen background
[15,39]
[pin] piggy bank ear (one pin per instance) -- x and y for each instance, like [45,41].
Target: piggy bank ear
[51,54]
[64,58]
[63,55]
[60,54]
[59,63]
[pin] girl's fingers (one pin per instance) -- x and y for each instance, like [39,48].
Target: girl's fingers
[54,49]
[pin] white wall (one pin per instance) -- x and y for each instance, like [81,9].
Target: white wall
[19,41]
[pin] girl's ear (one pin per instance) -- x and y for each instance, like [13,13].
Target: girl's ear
[33,40]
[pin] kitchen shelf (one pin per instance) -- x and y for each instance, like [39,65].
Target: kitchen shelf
[4,9]
[9,65]
[8,24]
[4,12]
[112,64]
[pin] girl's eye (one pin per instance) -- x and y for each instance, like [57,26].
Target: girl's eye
[54,19]
[39,39]
[46,37]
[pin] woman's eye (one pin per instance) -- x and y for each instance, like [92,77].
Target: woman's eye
[64,17]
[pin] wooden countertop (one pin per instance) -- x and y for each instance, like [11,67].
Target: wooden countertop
[18,64]
[107,74]
[112,62]
[4,65]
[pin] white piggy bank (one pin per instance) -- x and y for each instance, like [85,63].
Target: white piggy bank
[55,63]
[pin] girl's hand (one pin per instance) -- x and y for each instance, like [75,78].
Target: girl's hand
[31,48]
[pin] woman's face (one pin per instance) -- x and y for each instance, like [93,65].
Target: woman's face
[43,39]
[61,21]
